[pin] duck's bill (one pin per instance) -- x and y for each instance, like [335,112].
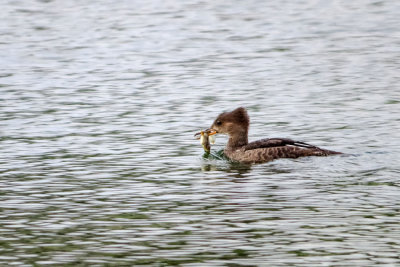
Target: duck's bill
[211,132]
[201,133]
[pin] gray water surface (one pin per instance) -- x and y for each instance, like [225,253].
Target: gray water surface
[99,101]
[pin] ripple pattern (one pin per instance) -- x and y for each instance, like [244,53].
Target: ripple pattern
[100,101]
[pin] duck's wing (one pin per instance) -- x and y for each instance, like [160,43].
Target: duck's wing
[275,142]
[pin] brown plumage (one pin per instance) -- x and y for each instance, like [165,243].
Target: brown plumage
[236,124]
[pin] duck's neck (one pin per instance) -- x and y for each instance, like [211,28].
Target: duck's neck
[238,139]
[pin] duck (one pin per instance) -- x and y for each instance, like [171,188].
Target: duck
[236,124]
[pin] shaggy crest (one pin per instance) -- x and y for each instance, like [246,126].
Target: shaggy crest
[237,116]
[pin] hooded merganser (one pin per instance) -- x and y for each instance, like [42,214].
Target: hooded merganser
[236,125]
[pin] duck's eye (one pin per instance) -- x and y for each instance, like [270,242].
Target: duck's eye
[218,123]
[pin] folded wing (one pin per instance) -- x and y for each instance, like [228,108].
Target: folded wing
[275,142]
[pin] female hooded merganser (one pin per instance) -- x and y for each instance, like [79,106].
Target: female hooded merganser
[236,125]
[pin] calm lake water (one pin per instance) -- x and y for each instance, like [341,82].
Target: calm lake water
[100,101]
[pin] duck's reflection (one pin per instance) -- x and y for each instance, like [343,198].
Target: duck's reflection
[230,167]
[217,161]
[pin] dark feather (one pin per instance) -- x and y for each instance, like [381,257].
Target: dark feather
[276,142]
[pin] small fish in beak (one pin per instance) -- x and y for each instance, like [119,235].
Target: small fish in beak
[206,137]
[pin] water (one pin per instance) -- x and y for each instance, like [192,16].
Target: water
[100,101]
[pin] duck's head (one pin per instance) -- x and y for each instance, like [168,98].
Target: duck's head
[231,123]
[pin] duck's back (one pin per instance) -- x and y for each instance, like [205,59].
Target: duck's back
[265,154]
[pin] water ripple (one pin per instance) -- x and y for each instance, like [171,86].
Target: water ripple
[100,102]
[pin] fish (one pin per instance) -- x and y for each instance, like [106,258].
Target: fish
[206,137]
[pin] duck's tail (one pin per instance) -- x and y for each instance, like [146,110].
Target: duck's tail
[325,152]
